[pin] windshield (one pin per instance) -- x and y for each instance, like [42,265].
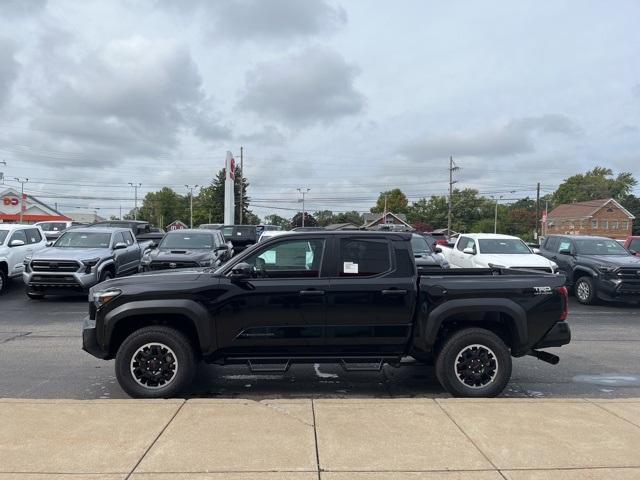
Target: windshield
[599,246]
[420,245]
[53,227]
[3,235]
[503,246]
[83,240]
[187,241]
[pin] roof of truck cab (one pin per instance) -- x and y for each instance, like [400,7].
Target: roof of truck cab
[201,231]
[98,229]
[348,233]
[488,236]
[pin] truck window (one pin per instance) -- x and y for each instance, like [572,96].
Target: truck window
[18,235]
[551,244]
[33,235]
[466,242]
[289,259]
[635,244]
[363,257]
[564,245]
[128,239]
[118,238]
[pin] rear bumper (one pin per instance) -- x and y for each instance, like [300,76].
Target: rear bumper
[90,339]
[558,335]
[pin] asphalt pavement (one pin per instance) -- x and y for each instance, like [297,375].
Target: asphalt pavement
[41,357]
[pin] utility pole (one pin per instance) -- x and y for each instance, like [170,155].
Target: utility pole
[22,181]
[303,192]
[241,183]
[452,168]
[135,209]
[537,234]
[120,212]
[2,173]
[495,220]
[384,213]
[191,187]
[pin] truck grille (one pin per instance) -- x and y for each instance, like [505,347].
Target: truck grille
[54,266]
[629,274]
[171,265]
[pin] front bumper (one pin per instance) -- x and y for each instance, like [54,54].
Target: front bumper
[90,339]
[614,290]
[558,335]
[60,282]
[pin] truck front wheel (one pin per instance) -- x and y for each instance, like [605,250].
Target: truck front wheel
[474,362]
[155,362]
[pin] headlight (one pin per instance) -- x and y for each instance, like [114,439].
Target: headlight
[146,258]
[102,297]
[90,263]
[495,265]
[603,269]
[27,259]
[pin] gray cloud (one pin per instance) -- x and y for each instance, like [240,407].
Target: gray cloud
[635,90]
[21,8]
[513,138]
[133,97]
[267,135]
[315,85]
[8,68]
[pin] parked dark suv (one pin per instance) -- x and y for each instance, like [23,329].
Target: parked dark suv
[241,236]
[596,267]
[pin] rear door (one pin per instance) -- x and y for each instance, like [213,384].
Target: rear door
[371,295]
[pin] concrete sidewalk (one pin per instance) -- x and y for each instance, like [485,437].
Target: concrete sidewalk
[361,439]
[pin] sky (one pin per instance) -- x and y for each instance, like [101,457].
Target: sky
[346,98]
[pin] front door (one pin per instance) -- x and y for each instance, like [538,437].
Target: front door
[371,296]
[563,258]
[281,309]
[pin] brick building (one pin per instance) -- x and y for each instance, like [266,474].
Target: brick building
[605,217]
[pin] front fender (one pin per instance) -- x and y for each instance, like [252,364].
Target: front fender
[104,264]
[583,268]
[196,313]
[431,322]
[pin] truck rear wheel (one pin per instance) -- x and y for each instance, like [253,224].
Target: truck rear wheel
[474,362]
[155,362]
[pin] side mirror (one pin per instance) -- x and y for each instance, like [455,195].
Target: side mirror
[241,271]
[565,251]
[222,248]
[119,246]
[437,250]
[633,252]
[536,251]
[469,251]
[16,243]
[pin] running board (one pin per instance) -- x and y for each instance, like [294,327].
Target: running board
[282,365]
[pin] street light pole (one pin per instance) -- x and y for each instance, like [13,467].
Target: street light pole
[495,221]
[22,181]
[191,187]
[135,209]
[303,192]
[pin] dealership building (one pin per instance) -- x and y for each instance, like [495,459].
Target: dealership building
[33,210]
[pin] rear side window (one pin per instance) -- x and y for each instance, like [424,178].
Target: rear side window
[118,238]
[635,244]
[551,244]
[363,257]
[33,235]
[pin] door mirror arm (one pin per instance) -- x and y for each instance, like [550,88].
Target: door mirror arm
[241,271]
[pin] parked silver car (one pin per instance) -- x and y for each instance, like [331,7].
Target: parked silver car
[81,258]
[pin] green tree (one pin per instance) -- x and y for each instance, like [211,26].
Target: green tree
[632,203]
[593,185]
[396,202]
[163,207]
[209,204]
[348,217]
[324,217]
[309,221]
[281,222]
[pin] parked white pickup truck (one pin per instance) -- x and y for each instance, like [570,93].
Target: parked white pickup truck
[17,242]
[482,250]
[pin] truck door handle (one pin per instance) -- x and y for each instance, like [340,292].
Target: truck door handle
[394,291]
[311,293]
[554,257]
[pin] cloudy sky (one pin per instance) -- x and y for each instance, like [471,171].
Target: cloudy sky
[347,98]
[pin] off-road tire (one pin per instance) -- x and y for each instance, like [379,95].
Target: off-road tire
[3,281]
[585,290]
[470,342]
[180,348]
[105,275]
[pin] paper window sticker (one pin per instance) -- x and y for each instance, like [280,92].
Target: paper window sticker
[350,267]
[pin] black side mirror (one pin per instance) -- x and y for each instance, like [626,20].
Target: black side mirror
[223,248]
[119,246]
[437,250]
[241,271]
[633,252]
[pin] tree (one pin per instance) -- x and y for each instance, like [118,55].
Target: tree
[274,219]
[309,221]
[396,202]
[324,217]
[209,204]
[163,207]
[593,185]
[348,217]
[632,203]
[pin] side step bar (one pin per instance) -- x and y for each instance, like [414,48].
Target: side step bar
[282,364]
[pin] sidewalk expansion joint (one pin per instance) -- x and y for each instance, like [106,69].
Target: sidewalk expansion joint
[155,440]
[315,437]
[602,407]
[471,440]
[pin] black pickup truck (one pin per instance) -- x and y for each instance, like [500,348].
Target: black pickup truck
[352,297]
[597,268]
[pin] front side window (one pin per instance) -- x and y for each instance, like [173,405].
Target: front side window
[503,246]
[564,245]
[363,257]
[19,235]
[187,241]
[74,239]
[3,235]
[599,246]
[466,242]
[288,259]
[128,239]
[419,245]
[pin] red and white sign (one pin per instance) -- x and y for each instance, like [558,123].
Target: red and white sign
[10,201]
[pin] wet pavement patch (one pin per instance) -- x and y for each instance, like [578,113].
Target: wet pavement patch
[609,379]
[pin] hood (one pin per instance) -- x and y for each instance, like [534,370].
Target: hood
[614,260]
[515,260]
[157,279]
[55,253]
[176,254]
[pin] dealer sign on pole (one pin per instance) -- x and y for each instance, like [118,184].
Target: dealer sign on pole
[229,189]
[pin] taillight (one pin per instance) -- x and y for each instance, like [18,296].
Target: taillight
[564,293]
